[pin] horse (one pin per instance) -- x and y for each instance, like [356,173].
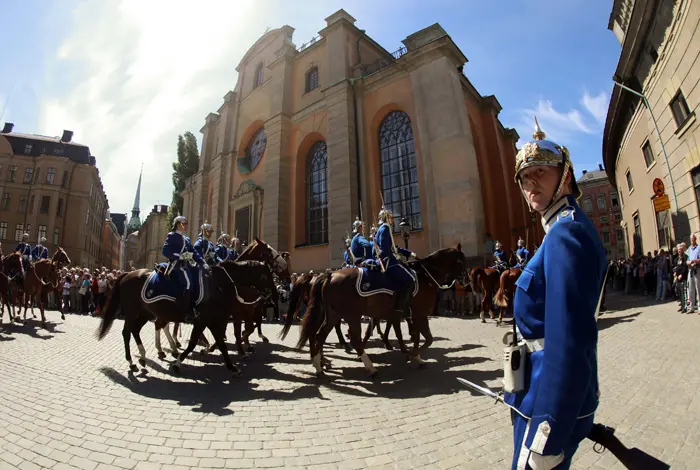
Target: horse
[35,286]
[506,290]
[222,288]
[10,263]
[486,281]
[300,295]
[334,297]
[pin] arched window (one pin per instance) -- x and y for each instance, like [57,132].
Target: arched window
[253,152]
[399,171]
[312,79]
[258,76]
[317,194]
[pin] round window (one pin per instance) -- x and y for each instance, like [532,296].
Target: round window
[253,152]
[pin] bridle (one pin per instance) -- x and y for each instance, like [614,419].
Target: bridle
[235,290]
[439,285]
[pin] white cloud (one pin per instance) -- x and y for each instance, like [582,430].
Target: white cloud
[146,72]
[596,105]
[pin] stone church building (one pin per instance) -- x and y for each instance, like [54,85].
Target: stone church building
[313,136]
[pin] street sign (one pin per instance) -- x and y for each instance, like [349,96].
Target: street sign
[659,188]
[661,203]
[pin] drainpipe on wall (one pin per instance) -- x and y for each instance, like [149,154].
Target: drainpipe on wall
[355,120]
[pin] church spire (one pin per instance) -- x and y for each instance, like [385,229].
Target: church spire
[135,221]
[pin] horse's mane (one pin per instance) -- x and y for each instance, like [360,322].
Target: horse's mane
[246,263]
[249,248]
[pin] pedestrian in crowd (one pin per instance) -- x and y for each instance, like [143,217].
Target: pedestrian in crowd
[84,292]
[66,293]
[662,270]
[648,274]
[680,275]
[101,292]
[74,288]
[693,265]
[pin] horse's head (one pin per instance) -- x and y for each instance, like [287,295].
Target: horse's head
[251,273]
[261,251]
[447,266]
[60,258]
[13,262]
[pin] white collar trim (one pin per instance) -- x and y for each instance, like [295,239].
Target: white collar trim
[548,217]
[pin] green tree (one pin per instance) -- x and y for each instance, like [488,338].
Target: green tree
[187,164]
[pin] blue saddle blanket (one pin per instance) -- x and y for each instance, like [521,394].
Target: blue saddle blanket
[372,282]
[159,287]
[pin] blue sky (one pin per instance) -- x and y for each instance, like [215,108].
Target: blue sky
[129,76]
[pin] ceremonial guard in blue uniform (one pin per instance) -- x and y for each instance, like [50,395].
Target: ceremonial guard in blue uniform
[360,247]
[347,255]
[25,250]
[235,251]
[185,262]
[522,254]
[40,251]
[554,391]
[204,247]
[499,257]
[388,257]
[223,252]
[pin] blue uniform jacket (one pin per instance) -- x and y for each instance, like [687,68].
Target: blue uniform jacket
[499,257]
[25,249]
[346,257]
[206,250]
[556,299]
[222,252]
[175,245]
[40,252]
[524,257]
[385,242]
[361,248]
[232,254]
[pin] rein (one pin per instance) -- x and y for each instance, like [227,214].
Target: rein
[238,297]
[439,286]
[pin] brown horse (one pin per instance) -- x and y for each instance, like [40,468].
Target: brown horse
[334,297]
[10,263]
[39,279]
[485,281]
[506,291]
[221,291]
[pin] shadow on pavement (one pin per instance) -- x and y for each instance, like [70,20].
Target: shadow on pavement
[607,321]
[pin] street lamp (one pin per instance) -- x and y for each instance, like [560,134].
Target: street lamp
[405,231]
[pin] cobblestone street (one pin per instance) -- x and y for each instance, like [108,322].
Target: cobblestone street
[68,402]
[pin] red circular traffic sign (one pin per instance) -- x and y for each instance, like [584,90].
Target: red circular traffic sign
[659,188]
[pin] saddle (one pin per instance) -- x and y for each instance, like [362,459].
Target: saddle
[372,281]
[159,286]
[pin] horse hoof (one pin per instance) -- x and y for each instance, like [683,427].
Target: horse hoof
[374,375]
[265,340]
[389,347]
[175,369]
[142,362]
[320,374]
[63,317]
[203,351]
[177,343]
[348,350]
[175,354]
[133,368]
[483,321]
[162,355]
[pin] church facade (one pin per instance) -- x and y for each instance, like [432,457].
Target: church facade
[313,136]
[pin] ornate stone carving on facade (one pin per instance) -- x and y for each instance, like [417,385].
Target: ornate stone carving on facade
[248,186]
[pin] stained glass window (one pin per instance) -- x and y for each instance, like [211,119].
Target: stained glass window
[317,194]
[399,171]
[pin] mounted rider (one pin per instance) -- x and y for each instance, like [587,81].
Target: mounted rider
[25,251]
[522,254]
[360,247]
[392,260]
[234,249]
[223,252]
[184,263]
[204,247]
[500,262]
[40,251]
[347,255]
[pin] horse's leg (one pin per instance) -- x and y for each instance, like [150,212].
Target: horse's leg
[217,332]
[176,334]
[237,324]
[136,333]
[197,330]
[126,334]
[259,320]
[171,341]
[422,327]
[399,334]
[356,341]
[385,336]
[483,306]
[341,340]
[161,354]
[41,296]
[368,332]
[249,330]
[320,341]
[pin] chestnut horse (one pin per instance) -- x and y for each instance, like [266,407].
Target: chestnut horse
[506,291]
[486,281]
[222,289]
[35,285]
[334,297]
[10,263]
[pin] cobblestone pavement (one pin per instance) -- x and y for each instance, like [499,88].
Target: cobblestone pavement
[68,402]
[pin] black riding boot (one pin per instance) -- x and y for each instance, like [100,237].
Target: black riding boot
[403,300]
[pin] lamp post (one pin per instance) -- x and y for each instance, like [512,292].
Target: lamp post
[405,231]
[656,126]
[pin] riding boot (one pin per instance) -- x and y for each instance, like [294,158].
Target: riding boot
[403,300]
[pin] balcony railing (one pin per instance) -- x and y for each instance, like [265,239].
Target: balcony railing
[383,62]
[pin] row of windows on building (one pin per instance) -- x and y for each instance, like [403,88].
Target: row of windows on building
[681,113]
[310,79]
[32,176]
[20,230]
[601,202]
[23,208]
[605,236]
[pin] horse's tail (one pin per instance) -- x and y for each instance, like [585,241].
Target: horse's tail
[295,300]
[476,275]
[315,310]
[501,298]
[111,309]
